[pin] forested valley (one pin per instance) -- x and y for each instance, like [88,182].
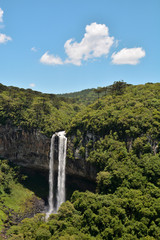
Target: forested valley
[123,122]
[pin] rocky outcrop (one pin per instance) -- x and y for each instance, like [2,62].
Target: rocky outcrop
[78,161]
[28,209]
[31,149]
[26,148]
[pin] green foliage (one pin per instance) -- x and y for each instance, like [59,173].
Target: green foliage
[42,234]
[15,200]
[130,115]
[34,110]
[118,88]
[106,150]
[121,135]
[85,97]
[125,151]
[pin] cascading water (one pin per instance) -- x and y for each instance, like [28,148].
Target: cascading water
[62,146]
[61,169]
[51,177]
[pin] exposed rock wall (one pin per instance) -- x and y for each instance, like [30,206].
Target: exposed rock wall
[25,148]
[31,149]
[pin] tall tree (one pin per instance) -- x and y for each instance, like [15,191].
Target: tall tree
[118,87]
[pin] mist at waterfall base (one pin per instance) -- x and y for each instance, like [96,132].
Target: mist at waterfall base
[60,148]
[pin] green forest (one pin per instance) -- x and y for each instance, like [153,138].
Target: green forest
[124,122]
[35,110]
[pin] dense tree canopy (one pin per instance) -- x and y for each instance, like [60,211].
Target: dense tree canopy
[30,109]
[124,142]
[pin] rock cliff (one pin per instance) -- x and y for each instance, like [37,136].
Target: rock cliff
[31,149]
[26,148]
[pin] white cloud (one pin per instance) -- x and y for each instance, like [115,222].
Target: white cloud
[50,59]
[32,84]
[128,56]
[1,15]
[4,38]
[95,43]
[117,43]
[33,49]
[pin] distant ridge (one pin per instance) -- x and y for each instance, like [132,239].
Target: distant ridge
[86,96]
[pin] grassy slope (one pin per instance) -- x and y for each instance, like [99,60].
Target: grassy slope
[14,198]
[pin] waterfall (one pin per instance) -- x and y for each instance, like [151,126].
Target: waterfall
[51,177]
[60,198]
[61,169]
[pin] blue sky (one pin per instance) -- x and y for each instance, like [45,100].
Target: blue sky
[58,46]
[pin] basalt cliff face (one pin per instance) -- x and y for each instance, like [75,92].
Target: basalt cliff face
[31,149]
[26,148]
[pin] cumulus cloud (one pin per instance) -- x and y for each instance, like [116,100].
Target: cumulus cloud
[1,15]
[50,59]
[32,84]
[95,43]
[4,38]
[128,56]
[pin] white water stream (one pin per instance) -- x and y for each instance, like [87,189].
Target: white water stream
[60,198]
[61,169]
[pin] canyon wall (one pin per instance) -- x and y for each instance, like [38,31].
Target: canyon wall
[31,149]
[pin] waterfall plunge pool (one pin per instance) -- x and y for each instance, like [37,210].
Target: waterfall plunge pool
[37,181]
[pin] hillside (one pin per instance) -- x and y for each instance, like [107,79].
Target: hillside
[86,96]
[120,135]
[16,201]
[128,114]
[35,110]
